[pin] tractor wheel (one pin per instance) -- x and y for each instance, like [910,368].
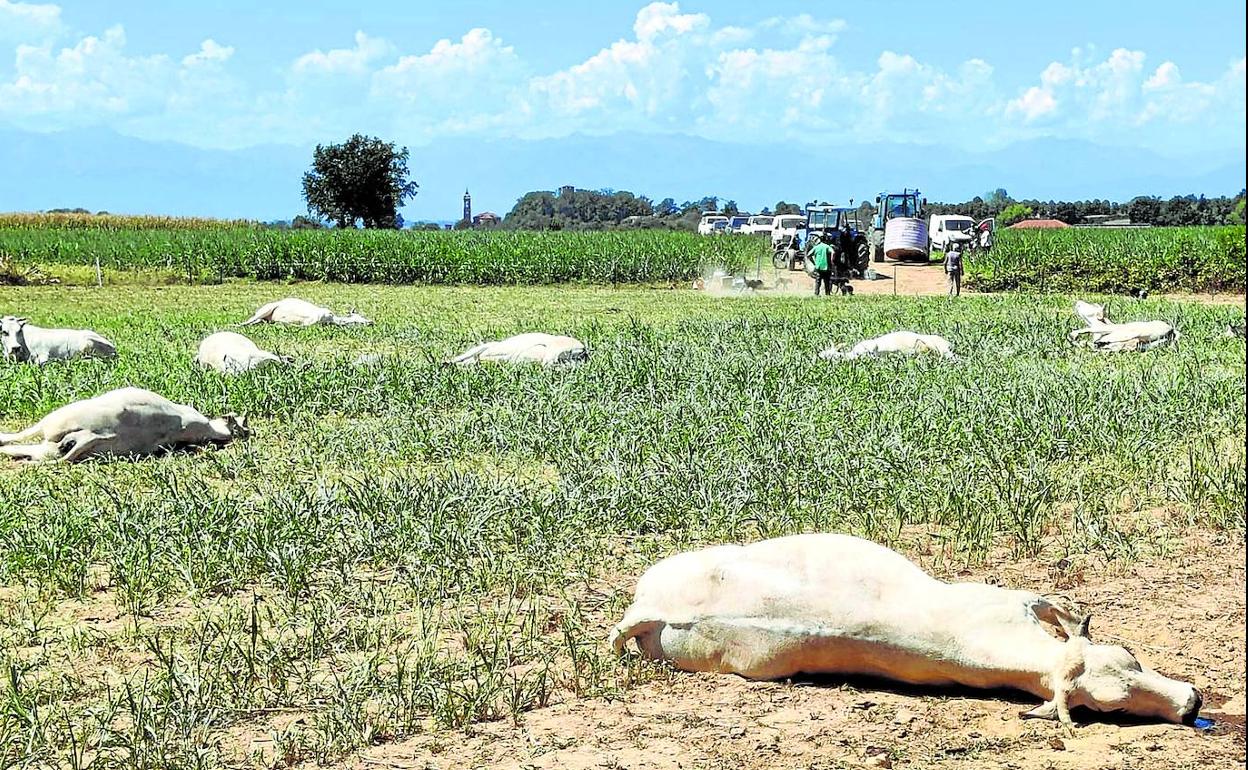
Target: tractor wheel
[864,258]
[877,253]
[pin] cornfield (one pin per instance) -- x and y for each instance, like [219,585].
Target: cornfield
[354,256]
[1200,259]
[116,222]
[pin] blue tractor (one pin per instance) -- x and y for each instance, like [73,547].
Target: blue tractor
[826,222]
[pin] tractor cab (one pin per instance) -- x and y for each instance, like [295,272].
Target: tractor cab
[893,205]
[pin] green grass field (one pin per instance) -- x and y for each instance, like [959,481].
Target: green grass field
[411,547]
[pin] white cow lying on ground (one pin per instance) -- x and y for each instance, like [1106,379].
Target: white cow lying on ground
[823,603]
[25,342]
[1114,338]
[546,349]
[128,421]
[906,343]
[231,353]
[303,313]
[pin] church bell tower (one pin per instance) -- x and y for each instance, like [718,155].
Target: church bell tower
[467,206]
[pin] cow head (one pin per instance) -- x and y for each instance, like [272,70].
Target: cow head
[1107,677]
[1093,314]
[352,318]
[12,337]
[235,426]
[832,353]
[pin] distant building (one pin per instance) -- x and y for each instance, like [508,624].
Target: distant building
[486,219]
[1107,220]
[1038,224]
[567,189]
[467,206]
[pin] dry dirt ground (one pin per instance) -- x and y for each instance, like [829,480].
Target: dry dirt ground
[894,278]
[1181,612]
[912,280]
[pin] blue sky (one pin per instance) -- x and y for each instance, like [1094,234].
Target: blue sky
[231,74]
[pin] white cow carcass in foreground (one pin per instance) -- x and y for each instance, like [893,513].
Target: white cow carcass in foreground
[232,353]
[303,313]
[835,604]
[26,342]
[902,342]
[1114,338]
[535,347]
[128,421]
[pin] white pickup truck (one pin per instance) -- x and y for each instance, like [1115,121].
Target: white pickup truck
[787,225]
[759,225]
[706,225]
[947,228]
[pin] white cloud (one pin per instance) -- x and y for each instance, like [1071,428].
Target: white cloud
[1035,103]
[466,86]
[778,79]
[71,85]
[1118,98]
[28,22]
[210,52]
[351,61]
[657,19]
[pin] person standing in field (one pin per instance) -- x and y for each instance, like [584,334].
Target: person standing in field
[953,269]
[821,253]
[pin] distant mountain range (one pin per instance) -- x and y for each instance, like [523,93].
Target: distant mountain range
[101,170]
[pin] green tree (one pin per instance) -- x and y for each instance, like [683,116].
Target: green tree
[998,198]
[783,207]
[1013,213]
[363,180]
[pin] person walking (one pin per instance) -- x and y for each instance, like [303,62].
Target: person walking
[953,268]
[821,255]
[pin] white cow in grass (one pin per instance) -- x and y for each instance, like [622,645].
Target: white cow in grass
[905,343]
[128,421]
[304,313]
[25,342]
[835,604]
[231,353]
[546,349]
[1114,338]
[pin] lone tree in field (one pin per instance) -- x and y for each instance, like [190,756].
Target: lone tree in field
[361,180]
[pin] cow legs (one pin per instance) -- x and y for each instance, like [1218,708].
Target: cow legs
[32,452]
[470,356]
[78,444]
[23,435]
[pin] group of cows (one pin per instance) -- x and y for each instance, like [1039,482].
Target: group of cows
[805,604]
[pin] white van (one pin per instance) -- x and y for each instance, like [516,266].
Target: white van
[787,224]
[944,228]
[706,225]
[759,225]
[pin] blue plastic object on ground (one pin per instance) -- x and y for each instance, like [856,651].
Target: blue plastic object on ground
[1200,723]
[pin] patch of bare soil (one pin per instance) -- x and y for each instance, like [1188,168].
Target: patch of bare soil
[1182,614]
[914,280]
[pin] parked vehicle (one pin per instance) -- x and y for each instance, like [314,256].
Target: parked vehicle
[787,254]
[826,221]
[737,223]
[760,224]
[787,225]
[706,225]
[944,229]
